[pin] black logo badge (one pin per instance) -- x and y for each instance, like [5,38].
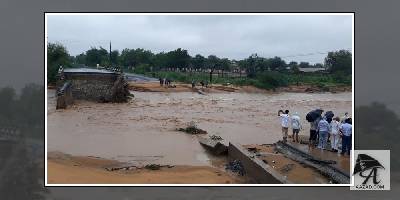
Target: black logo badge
[365,162]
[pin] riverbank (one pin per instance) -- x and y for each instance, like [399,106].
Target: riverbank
[218,88]
[67,169]
[268,80]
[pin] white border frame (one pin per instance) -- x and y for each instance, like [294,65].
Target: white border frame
[246,185]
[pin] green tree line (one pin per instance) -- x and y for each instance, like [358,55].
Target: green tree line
[142,61]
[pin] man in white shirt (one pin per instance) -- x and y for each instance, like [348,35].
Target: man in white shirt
[346,132]
[335,125]
[296,126]
[285,124]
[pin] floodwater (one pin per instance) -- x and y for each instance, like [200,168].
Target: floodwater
[144,130]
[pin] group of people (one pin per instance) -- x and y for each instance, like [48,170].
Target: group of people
[323,130]
[165,82]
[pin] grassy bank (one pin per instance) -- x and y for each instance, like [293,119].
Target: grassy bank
[265,80]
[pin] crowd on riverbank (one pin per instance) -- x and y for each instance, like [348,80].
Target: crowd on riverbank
[326,131]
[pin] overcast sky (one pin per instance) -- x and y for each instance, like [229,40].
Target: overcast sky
[233,37]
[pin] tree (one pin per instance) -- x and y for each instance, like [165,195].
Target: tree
[252,63]
[57,55]
[96,56]
[224,65]
[114,57]
[242,66]
[318,65]
[81,59]
[160,61]
[304,65]
[339,61]
[178,58]
[276,63]
[131,58]
[212,63]
[294,66]
[198,62]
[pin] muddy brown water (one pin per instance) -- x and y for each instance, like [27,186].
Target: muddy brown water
[144,130]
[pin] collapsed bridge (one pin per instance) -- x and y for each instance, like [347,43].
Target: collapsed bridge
[90,84]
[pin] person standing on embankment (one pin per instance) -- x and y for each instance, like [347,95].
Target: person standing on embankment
[296,126]
[335,125]
[346,132]
[313,132]
[284,123]
[323,129]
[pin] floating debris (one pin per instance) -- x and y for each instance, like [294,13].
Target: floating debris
[192,129]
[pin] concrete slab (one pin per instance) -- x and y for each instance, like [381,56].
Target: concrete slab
[335,174]
[255,168]
[215,147]
[342,161]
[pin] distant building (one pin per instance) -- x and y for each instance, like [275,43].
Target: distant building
[307,70]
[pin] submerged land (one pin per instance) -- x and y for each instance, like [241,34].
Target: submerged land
[89,137]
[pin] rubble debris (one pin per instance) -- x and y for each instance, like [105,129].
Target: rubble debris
[215,146]
[157,166]
[215,137]
[122,168]
[288,167]
[64,96]
[192,129]
[252,149]
[131,167]
[235,166]
[153,166]
[120,91]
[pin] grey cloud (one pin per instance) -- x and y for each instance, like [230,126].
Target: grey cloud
[234,37]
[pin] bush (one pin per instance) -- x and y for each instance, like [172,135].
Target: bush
[142,69]
[341,77]
[271,80]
